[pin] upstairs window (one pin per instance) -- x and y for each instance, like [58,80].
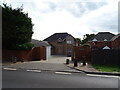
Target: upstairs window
[59,42]
[69,42]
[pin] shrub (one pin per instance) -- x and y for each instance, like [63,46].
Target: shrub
[25,46]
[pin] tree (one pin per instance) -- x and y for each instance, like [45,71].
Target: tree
[16,28]
[79,40]
[87,37]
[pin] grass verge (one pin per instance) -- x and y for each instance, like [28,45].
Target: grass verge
[106,68]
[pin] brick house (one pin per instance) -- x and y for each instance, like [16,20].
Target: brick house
[102,40]
[115,42]
[61,43]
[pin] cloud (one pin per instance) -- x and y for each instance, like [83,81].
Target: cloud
[76,17]
[103,19]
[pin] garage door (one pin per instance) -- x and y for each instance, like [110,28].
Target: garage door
[48,52]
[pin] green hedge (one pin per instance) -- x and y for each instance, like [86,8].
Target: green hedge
[25,46]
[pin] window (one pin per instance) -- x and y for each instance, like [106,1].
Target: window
[69,42]
[59,42]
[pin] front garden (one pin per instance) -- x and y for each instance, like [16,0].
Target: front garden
[106,68]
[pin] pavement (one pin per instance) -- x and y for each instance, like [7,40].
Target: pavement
[89,69]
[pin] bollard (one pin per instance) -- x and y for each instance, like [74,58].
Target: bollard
[67,61]
[84,63]
[15,60]
[75,63]
[22,60]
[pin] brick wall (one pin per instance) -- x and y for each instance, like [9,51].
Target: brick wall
[100,44]
[116,43]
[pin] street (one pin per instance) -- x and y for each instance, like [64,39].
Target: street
[52,73]
[53,79]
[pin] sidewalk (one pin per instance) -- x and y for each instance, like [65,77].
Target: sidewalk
[90,70]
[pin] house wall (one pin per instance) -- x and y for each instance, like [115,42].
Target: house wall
[68,48]
[116,43]
[62,49]
[37,53]
[99,44]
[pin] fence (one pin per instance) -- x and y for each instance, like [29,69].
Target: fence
[81,53]
[105,57]
[36,53]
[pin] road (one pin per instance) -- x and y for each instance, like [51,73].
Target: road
[20,78]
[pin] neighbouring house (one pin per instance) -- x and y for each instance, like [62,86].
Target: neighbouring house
[115,42]
[62,43]
[103,48]
[45,44]
[102,40]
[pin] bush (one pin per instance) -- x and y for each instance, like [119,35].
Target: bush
[86,45]
[26,46]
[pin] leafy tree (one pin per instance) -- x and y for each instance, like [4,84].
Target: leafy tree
[87,37]
[16,27]
[79,40]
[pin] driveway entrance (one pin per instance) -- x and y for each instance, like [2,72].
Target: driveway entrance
[53,63]
[57,59]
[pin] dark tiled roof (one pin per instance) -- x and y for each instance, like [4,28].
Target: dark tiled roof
[56,36]
[38,43]
[115,37]
[101,36]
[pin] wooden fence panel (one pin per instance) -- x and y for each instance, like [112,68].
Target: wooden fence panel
[81,53]
[36,53]
[105,57]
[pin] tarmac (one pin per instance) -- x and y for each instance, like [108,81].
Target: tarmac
[58,63]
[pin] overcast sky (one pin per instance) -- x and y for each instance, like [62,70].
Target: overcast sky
[77,17]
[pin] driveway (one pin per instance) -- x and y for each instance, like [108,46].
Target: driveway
[59,59]
[56,63]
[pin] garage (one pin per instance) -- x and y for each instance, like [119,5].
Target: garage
[45,44]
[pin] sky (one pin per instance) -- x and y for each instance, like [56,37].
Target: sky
[76,17]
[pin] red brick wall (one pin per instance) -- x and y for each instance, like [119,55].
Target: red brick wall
[115,43]
[100,44]
[36,53]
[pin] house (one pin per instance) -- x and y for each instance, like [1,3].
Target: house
[61,43]
[102,40]
[45,44]
[115,42]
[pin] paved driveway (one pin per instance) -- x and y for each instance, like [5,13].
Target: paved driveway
[56,63]
[56,59]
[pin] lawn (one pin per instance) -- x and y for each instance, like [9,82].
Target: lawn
[106,68]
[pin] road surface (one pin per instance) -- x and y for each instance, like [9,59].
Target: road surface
[14,78]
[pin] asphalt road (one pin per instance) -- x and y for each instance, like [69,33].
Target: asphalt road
[54,79]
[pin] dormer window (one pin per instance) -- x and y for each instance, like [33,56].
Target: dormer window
[94,40]
[105,40]
[106,47]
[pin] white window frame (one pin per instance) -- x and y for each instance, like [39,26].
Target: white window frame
[69,42]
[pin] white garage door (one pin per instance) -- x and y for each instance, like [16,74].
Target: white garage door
[48,52]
